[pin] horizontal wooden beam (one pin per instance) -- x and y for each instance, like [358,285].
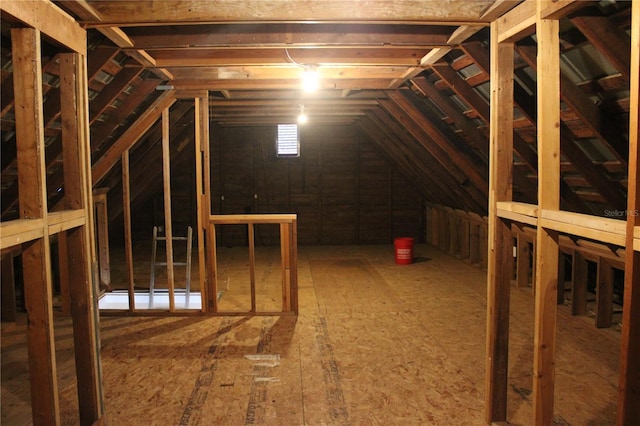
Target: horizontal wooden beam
[323,56]
[19,231]
[233,219]
[596,228]
[518,212]
[370,11]
[518,23]
[65,220]
[590,250]
[294,37]
[49,19]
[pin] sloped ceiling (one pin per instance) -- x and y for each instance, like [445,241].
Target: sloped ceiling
[413,76]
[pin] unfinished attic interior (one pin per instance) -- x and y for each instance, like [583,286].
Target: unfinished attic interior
[452,236]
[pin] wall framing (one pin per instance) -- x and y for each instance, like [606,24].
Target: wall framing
[551,223]
[74,224]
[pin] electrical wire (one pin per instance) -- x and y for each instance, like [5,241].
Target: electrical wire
[286,51]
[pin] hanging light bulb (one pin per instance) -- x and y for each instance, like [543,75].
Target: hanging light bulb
[310,79]
[302,117]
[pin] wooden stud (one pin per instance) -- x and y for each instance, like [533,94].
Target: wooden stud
[474,244]
[73,89]
[629,383]
[8,299]
[128,241]
[500,252]
[285,262]
[212,261]
[562,264]
[429,220]
[293,265]
[604,295]
[547,249]
[63,270]
[102,223]
[523,264]
[453,232]
[36,258]
[252,265]
[212,270]
[465,237]
[579,275]
[166,177]
[201,138]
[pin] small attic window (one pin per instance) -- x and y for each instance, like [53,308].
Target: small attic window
[288,140]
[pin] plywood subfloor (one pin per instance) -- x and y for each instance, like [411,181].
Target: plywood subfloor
[375,344]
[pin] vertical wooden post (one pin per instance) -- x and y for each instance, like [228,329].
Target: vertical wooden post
[212,272]
[293,265]
[522,260]
[445,233]
[63,270]
[212,262]
[579,274]
[629,384]
[429,230]
[36,258]
[484,243]
[464,242]
[435,227]
[8,299]
[102,222]
[500,252]
[474,243]
[252,264]
[128,241]
[561,273]
[77,172]
[166,175]
[453,231]
[604,294]
[202,137]
[546,291]
[285,265]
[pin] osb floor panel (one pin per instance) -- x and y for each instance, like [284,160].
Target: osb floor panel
[375,344]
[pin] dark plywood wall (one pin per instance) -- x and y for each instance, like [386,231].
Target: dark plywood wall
[341,187]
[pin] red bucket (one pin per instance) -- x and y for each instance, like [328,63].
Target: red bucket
[404,250]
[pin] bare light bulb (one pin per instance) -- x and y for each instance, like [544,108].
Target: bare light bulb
[310,80]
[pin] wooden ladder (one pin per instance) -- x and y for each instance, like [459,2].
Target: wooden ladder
[155,264]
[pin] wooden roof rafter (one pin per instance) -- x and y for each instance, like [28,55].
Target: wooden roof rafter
[521,148]
[443,164]
[595,174]
[466,125]
[406,152]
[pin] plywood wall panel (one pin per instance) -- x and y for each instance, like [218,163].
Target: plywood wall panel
[341,187]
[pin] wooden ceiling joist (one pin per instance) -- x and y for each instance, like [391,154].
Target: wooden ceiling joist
[293,36]
[375,11]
